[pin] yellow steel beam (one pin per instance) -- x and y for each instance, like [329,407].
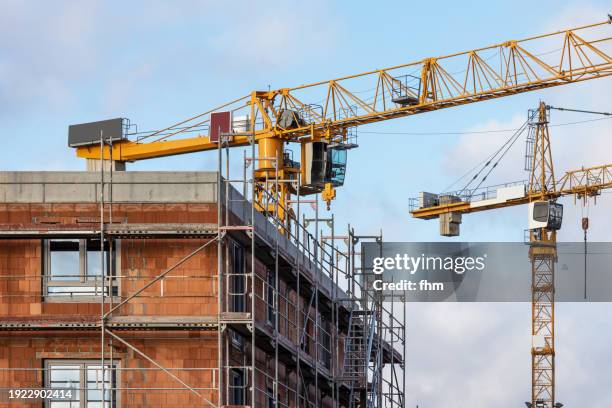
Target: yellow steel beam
[463,207]
[126,150]
[582,182]
[499,70]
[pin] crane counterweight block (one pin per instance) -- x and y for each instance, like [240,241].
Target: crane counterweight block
[88,134]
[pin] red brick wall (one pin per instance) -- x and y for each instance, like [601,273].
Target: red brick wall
[21,263]
[190,289]
[134,212]
[20,284]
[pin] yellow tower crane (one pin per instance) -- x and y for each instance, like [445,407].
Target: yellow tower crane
[545,218]
[322,117]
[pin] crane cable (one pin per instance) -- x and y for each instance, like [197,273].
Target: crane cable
[511,142]
[477,132]
[499,154]
[579,110]
[515,135]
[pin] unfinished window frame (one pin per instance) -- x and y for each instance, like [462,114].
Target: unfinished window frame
[85,280]
[83,366]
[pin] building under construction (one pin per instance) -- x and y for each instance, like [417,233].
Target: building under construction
[167,289]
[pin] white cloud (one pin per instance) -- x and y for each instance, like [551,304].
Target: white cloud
[467,355]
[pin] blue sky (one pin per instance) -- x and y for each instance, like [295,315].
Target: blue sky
[160,62]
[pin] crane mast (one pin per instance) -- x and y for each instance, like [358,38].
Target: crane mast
[543,256]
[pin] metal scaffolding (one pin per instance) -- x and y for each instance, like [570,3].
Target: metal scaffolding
[358,335]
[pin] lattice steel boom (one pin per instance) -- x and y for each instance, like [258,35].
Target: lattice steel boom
[328,110]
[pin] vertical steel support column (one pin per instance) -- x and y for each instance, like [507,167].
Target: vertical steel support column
[334,316]
[298,300]
[111,270]
[276,284]
[379,299]
[220,294]
[102,301]
[252,294]
[318,271]
[403,401]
